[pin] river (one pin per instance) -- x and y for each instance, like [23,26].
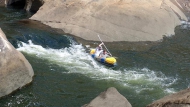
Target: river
[67,76]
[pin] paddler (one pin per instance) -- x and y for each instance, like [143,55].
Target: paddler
[99,50]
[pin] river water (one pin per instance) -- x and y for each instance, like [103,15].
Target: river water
[67,76]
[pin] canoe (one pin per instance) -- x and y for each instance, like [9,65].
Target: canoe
[108,61]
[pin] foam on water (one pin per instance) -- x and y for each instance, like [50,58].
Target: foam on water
[76,60]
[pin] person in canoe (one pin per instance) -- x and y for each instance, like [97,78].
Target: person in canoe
[104,54]
[98,50]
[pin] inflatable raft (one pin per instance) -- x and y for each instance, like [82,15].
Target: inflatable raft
[109,61]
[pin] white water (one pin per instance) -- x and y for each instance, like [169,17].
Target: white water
[76,60]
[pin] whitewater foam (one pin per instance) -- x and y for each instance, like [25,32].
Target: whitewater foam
[76,60]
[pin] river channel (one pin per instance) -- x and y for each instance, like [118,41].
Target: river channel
[67,76]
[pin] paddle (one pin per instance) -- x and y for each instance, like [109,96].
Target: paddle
[104,45]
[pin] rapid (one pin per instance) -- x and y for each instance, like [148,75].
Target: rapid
[67,76]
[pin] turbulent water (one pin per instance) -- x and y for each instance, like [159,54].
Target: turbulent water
[67,76]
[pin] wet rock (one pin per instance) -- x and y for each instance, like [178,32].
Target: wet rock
[15,71]
[179,99]
[110,98]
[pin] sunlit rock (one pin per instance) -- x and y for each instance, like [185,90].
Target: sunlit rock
[110,98]
[15,70]
[113,20]
[180,99]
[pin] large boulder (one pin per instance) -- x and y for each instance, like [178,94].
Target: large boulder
[180,99]
[15,71]
[110,98]
[113,20]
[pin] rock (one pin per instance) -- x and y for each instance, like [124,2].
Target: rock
[2,2]
[17,3]
[33,5]
[15,71]
[113,20]
[29,5]
[180,99]
[109,98]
